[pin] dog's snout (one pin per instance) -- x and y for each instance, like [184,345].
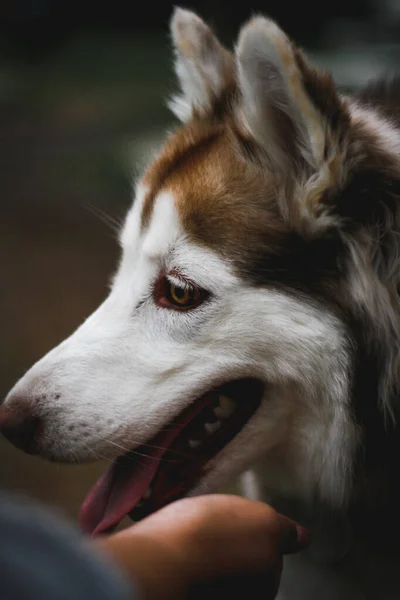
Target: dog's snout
[20,427]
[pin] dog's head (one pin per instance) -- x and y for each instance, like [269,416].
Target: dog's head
[256,260]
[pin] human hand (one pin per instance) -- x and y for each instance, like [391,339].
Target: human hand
[210,542]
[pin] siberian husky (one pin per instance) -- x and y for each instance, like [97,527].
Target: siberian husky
[253,324]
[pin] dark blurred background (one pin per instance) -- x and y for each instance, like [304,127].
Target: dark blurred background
[82,90]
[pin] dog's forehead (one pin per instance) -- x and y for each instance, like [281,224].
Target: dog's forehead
[200,188]
[164,241]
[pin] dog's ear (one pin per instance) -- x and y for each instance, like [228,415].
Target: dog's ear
[291,108]
[203,66]
[289,113]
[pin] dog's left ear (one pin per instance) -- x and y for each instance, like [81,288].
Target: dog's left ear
[290,109]
[203,66]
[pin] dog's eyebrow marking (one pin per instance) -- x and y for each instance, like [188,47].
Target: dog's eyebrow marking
[179,152]
[164,227]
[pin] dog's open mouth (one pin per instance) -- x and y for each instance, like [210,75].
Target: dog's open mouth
[170,464]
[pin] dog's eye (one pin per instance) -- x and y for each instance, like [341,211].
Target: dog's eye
[179,297]
[182,296]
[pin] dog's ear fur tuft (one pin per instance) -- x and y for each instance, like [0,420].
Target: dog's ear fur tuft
[203,66]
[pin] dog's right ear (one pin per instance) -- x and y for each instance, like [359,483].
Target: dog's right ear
[203,66]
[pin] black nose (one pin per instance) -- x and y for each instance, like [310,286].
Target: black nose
[20,428]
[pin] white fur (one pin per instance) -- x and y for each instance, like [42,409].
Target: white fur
[201,64]
[381,127]
[132,367]
[164,230]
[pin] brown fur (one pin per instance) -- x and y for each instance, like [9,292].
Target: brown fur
[209,181]
[179,153]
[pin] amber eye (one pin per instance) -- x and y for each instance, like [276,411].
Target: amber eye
[182,297]
[179,297]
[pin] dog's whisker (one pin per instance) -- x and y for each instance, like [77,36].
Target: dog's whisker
[137,453]
[166,449]
[100,456]
[145,445]
[125,448]
[96,453]
[113,223]
[157,458]
[112,443]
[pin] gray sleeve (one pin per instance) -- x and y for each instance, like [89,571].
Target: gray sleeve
[42,558]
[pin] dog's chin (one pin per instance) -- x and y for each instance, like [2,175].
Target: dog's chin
[175,462]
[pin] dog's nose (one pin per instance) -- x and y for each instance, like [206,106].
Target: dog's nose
[20,427]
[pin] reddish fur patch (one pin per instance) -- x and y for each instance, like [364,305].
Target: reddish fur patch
[179,154]
[223,202]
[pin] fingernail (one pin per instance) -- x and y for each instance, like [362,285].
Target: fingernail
[298,539]
[303,536]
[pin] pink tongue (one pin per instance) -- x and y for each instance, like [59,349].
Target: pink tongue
[119,490]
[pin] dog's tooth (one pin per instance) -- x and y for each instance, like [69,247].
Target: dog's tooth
[226,407]
[219,413]
[212,427]
[194,443]
[227,404]
[147,494]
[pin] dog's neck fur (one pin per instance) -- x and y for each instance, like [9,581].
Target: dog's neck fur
[373,515]
[354,554]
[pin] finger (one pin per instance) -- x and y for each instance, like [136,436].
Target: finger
[291,537]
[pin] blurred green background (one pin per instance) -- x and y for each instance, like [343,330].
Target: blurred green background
[82,107]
